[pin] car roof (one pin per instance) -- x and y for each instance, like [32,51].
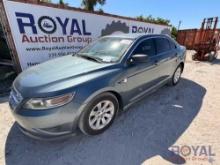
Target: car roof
[136,36]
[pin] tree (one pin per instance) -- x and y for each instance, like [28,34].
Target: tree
[159,20]
[61,2]
[90,4]
[174,32]
[151,19]
[100,11]
[162,21]
[140,18]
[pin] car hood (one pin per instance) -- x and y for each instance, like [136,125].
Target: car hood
[55,71]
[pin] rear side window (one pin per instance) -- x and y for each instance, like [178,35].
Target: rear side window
[146,47]
[172,45]
[162,44]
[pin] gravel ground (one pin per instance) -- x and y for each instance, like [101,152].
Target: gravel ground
[174,125]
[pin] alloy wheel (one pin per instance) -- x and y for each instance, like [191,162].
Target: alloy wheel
[101,114]
[177,75]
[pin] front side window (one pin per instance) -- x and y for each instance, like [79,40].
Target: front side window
[163,45]
[108,49]
[146,47]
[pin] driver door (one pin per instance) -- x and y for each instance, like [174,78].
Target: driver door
[142,76]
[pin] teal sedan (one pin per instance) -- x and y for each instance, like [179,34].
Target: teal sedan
[89,89]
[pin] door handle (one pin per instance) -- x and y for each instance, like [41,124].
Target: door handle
[125,80]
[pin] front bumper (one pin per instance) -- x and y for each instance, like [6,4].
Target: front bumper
[49,124]
[45,136]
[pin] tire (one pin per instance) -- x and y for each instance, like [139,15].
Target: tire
[173,80]
[210,57]
[194,57]
[93,112]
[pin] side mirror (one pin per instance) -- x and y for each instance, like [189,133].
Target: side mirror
[139,58]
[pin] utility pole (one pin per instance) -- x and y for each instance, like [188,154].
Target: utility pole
[180,22]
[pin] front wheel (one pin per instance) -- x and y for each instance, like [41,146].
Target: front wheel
[99,114]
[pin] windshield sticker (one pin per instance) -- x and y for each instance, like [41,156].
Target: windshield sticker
[107,58]
[127,42]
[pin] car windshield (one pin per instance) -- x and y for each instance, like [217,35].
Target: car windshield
[107,49]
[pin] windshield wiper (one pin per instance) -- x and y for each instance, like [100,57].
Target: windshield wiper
[84,55]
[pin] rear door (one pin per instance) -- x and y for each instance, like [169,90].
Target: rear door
[164,55]
[173,56]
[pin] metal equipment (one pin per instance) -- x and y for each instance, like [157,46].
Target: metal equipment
[205,41]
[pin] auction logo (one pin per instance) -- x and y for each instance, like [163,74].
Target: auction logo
[47,24]
[141,29]
[115,28]
[70,30]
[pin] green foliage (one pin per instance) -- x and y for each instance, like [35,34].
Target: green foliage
[163,21]
[100,11]
[90,4]
[151,19]
[159,20]
[61,2]
[140,18]
[174,32]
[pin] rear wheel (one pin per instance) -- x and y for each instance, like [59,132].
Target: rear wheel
[99,114]
[176,76]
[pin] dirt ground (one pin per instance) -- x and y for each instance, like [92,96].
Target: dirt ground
[174,125]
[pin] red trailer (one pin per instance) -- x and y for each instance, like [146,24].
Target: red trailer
[205,41]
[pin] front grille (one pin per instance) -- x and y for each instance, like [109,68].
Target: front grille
[15,98]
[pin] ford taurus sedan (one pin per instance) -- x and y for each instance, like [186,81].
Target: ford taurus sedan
[87,90]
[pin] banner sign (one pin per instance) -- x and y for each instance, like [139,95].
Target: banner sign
[41,33]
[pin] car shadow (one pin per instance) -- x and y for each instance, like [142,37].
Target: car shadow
[149,128]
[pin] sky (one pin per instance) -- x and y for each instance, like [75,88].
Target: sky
[189,12]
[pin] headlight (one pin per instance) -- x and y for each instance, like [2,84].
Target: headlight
[46,103]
